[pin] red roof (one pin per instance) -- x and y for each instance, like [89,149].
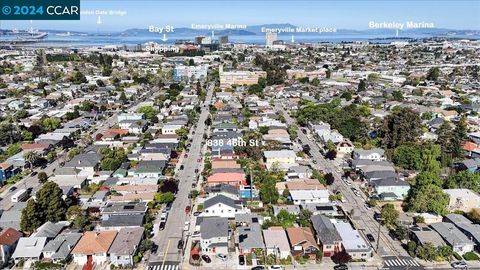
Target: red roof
[9,236]
[31,146]
[469,146]
[226,177]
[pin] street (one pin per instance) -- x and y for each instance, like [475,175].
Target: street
[167,239]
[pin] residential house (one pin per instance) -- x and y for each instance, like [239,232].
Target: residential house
[327,236]
[284,159]
[93,247]
[301,197]
[29,248]
[302,242]
[222,206]
[125,246]
[8,241]
[353,243]
[214,235]
[471,230]
[276,242]
[375,154]
[462,199]
[249,238]
[60,248]
[423,234]
[454,237]
[234,179]
[396,186]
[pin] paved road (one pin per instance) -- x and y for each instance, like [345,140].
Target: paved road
[168,239]
[362,218]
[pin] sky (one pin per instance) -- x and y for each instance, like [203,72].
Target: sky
[340,14]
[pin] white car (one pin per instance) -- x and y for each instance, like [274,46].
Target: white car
[459,265]
[276,267]
[222,257]
[187,226]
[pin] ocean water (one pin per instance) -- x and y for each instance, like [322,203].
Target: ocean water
[102,40]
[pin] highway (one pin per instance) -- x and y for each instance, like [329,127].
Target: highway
[361,217]
[167,240]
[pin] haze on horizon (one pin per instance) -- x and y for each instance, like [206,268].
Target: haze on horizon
[348,14]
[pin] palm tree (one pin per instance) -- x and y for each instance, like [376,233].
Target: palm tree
[31,157]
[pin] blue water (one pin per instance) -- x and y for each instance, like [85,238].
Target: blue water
[102,40]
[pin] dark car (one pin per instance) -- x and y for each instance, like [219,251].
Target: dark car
[206,258]
[154,248]
[33,173]
[241,259]
[181,167]
[340,267]
[187,209]
[12,189]
[370,237]
[180,244]
[259,267]
[162,226]
[168,206]
[196,214]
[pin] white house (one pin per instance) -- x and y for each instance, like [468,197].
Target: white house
[276,243]
[300,197]
[375,154]
[223,206]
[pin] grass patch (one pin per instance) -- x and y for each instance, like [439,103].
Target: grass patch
[471,256]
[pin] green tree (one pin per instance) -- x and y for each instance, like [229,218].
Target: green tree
[31,219]
[268,191]
[362,86]
[460,136]
[49,200]
[164,197]
[50,124]
[389,214]
[464,179]
[401,127]
[27,135]
[285,219]
[123,98]
[428,199]
[408,157]
[149,112]
[433,73]
[42,177]
[31,157]
[74,152]
[21,114]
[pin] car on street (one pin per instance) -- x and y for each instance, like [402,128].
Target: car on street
[12,189]
[222,257]
[196,214]
[206,259]
[314,161]
[194,185]
[276,267]
[33,173]
[196,170]
[185,156]
[368,207]
[180,244]
[154,248]
[340,267]
[459,265]
[188,208]
[199,160]
[161,226]
[168,206]
[241,259]
[370,237]
[259,267]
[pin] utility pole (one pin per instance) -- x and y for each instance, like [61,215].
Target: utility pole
[378,234]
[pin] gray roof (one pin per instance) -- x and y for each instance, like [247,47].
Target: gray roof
[465,225]
[250,237]
[451,234]
[11,218]
[292,209]
[84,160]
[325,230]
[124,208]
[380,174]
[62,245]
[127,241]
[426,235]
[222,188]
[122,221]
[214,227]
[50,229]
[389,182]
[300,169]
[221,199]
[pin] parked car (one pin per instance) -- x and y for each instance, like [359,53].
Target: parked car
[222,257]
[276,267]
[168,206]
[194,185]
[199,160]
[181,167]
[196,214]
[180,244]
[185,156]
[187,209]
[259,267]
[370,237]
[161,226]
[340,267]
[459,265]
[12,189]
[154,248]
[206,259]
[241,259]
[187,226]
